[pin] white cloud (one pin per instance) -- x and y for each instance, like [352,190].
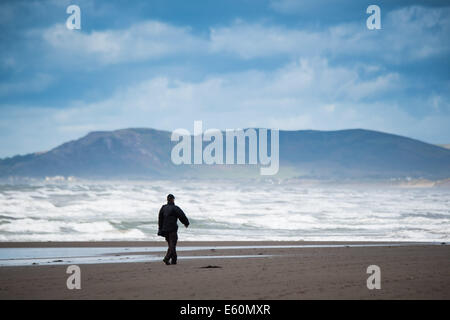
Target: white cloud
[256,40]
[236,99]
[141,41]
[417,32]
[409,33]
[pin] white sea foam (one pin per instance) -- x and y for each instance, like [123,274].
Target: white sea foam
[223,211]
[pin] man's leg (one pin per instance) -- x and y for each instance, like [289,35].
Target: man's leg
[169,252]
[174,240]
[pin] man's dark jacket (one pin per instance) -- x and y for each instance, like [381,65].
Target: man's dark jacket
[168,216]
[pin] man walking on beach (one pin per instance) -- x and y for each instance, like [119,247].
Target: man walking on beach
[167,222]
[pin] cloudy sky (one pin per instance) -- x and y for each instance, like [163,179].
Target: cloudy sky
[269,63]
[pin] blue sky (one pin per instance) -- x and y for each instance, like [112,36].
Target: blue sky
[277,63]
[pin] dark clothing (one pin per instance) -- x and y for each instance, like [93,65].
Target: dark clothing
[168,216]
[172,239]
[167,223]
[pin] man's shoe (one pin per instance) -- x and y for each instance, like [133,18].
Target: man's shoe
[174,262]
[166,261]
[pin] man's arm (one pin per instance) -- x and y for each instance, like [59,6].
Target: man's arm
[160,218]
[184,220]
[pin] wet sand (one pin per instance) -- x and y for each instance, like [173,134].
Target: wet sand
[407,272]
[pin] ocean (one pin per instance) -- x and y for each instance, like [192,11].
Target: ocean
[224,210]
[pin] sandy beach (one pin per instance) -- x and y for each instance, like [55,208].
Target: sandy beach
[413,271]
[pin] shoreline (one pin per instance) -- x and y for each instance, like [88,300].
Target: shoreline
[408,271]
[133,252]
[181,243]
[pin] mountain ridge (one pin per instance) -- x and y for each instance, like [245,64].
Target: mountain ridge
[145,152]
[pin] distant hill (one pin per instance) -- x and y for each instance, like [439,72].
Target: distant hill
[99,154]
[145,153]
[446,146]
